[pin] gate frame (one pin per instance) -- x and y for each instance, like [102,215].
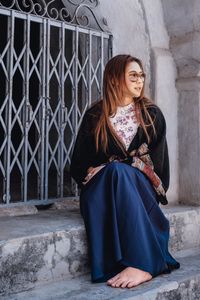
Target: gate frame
[45,23]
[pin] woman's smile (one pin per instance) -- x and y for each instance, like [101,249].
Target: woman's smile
[138,89]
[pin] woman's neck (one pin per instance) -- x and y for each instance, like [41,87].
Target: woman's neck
[127,100]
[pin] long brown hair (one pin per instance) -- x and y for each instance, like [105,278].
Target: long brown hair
[113,81]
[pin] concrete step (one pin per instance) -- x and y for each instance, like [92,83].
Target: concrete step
[184,226]
[183,283]
[51,245]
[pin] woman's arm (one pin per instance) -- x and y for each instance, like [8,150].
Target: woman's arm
[84,151]
[91,172]
[159,149]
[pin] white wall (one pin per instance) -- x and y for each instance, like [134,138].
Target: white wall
[126,22]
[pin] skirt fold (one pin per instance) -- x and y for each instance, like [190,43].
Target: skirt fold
[125,226]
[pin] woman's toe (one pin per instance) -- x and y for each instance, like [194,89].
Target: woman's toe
[118,283]
[131,284]
[124,284]
[113,279]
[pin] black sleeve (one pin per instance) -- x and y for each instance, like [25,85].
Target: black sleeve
[84,151]
[159,148]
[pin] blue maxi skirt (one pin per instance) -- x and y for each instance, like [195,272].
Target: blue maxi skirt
[124,223]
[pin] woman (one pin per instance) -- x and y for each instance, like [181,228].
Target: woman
[120,162]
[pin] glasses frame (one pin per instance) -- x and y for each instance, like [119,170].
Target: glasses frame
[141,76]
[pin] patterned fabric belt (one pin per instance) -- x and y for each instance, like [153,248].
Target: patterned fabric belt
[141,160]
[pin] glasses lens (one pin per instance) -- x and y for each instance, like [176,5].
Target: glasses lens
[136,76]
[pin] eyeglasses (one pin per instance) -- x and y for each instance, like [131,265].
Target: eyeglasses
[135,76]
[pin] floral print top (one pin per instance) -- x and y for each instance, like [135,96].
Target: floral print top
[125,123]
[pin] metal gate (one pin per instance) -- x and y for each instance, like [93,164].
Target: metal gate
[50,71]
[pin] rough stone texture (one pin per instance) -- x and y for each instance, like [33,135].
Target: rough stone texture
[189,143]
[131,24]
[181,16]
[70,205]
[184,228]
[186,52]
[43,258]
[47,256]
[127,24]
[187,67]
[180,284]
[189,84]
[164,92]
[155,23]
[52,245]
[163,84]
[18,210]
[165,74]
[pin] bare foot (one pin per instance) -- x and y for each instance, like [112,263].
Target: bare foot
[129,278]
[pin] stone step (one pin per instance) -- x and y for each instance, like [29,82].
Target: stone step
[183,283]
[184,226]
[51,245]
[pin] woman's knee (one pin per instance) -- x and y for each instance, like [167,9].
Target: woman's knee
[119,168]
[115,166]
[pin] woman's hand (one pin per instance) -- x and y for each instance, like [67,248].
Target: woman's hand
[91,172]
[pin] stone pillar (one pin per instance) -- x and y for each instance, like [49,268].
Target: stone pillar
[182,19]
[163,89]
[166,97]
[189,140]
[186,49]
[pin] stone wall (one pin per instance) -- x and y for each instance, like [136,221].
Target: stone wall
[138,28]
[183,23]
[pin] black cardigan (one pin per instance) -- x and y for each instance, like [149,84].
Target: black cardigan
[85,155]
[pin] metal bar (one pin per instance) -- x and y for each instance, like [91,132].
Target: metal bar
[60,13]
[43,67]
[76,90]
[76,79]
[40,154]
[73,184]
[10,89]
[75,97]
[63,111]
[102,62]
[99,70]
[60,112]
[46,164]
[21,15]
[110,46]
[73,76]
[27,105]
[6,113]
[90,66]
[86,82]
[56,23]
[59,154]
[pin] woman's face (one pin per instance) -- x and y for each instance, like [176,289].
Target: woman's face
[134,80]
